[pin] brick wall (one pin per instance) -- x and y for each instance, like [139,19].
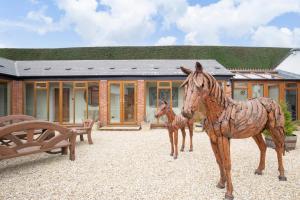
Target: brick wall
[140,101]
[103,102]
[16,97]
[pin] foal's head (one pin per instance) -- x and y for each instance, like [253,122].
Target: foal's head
[162,109]
[197,88]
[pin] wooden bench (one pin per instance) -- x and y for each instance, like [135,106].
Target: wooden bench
[11,119]
[86,128]
[63,139]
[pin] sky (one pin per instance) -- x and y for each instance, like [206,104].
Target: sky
[73,23]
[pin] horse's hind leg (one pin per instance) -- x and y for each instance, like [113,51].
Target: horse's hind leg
[262,147]
[183,138]
[279,147]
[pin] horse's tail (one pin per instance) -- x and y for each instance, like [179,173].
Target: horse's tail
[275,123]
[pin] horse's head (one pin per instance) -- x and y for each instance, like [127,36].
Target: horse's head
[162,109]
[197,87]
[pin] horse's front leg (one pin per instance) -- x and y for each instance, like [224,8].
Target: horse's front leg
[183,138]
[176,143]
[171,141]
[224,147]
[222,181]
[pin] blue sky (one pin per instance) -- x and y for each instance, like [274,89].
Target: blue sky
[69,23]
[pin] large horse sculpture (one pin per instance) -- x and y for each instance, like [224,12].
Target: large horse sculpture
[227,118]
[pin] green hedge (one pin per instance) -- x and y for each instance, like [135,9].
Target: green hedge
[230,57]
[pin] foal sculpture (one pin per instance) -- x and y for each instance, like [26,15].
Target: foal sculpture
[174,123]
[227,118]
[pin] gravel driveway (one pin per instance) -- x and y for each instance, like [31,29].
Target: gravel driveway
[137,165]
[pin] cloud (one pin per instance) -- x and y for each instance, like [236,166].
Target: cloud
[231,19]
[274,36]
[119,22]
[35,21]
[168,40]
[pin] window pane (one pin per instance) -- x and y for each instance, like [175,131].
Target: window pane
[177,97]
[164,84]
[164,95]
[93,101]
[115,103]
[240,94]
[41,104]
[291,85]
[80,106]
[257,90]
[129,99]
[291,99]
[54,102]
[4,99]
[240,84]
[67,112]
[41,85]
[274,92]
[151,101]
[29,99]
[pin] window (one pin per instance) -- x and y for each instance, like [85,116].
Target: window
[273,92]
[257,90]
[4,99]
[240,91]
[93,98]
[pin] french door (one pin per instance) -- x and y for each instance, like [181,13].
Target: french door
[122,102]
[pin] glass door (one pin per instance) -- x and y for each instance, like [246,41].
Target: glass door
[129,111]
[122,102]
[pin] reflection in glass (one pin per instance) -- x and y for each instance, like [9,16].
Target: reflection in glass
[291,100]
[93,101]
[41,104]
[129,99]
[257,90]
[80,105]
[4,99]
[115,103]
[273,92]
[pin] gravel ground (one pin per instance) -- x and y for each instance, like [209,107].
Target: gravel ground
[137,165]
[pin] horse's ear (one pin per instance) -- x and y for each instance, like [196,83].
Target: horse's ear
[198,67]
[185,70]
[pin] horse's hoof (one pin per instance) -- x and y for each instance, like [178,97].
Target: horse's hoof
[171,154]
[181,149]
[282,178]
[191,150]
[175,157]
[258,172]
[229,197]
[220,185]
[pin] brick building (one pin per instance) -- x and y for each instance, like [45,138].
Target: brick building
[115,92]
[127,92]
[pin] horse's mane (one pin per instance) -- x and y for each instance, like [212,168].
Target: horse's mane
[215,90]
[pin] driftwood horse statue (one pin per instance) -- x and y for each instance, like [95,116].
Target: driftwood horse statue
[227,118]
[174,123]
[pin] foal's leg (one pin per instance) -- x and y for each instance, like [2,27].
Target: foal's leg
[176,143]
[191,129]
[183,138]
[224,147]
[262,147]
[214,146]
[171,141]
